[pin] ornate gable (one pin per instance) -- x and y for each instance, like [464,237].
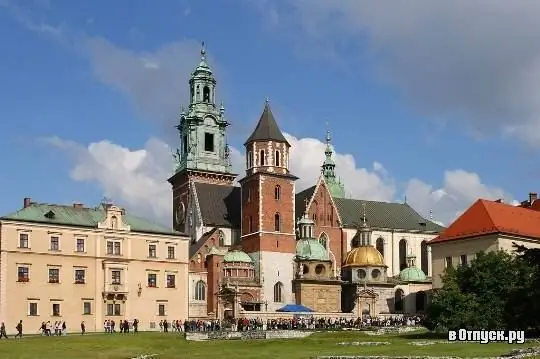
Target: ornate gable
[367,293]
[114,219]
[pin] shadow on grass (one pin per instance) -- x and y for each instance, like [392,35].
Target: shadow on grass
[423,335]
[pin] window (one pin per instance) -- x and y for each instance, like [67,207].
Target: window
[87,308]
[113,309]
[171,281]
[22,274]
[278,295]
[33,309]
[250,224]
[55,244]
[277,192]
[184,145]
[463,259]
[249,159]
[424,258]
[54,275]
[277,159]
[200,290]
[262,159]
[23,240]
[206,94]
[379,244]
[171,252]
[398,300]
[209,142]
[161,310]
[56,309]
[152,280]
[152,251]
[323,240]
[113,248]
[221,239]
[402,254]
[249,195]
[80,245]
[277,222]
[114,222]
[116,277]
[448,262]
[80,275]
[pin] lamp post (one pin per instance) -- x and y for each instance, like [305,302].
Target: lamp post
[266,306]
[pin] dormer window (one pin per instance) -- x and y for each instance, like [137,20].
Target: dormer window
[50,214]
[114,222]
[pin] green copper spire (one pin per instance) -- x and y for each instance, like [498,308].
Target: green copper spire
[202,126]
[335,186]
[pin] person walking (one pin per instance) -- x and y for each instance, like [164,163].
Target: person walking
[19,328]
[3,331]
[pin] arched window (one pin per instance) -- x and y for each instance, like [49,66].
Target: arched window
[277,192]
[424,260]
[200,290]
[379,244]
[278,292]
[221,238]
[399,296]
[262,160]
[330,215]
[206,94]
[420,301]
[323,240]
[114,222]
[277,159]
[198,93]
[277,222]
[249,159]
[402,254]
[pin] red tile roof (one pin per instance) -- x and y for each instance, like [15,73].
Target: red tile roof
[487,217]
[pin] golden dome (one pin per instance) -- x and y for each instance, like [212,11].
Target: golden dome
[364,256]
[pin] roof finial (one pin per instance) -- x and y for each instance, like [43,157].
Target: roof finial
[405,201]
[364,213]
[306,202]
[203,51]
[267,101]
[430,214]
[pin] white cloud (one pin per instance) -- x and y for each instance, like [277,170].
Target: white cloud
[474,61]
[136,178]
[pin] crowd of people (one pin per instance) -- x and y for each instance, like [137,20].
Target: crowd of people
[241,324]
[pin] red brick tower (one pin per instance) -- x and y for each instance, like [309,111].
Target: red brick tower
[268,218]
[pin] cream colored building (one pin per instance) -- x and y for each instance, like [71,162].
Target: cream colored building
[79,264]
[486,226]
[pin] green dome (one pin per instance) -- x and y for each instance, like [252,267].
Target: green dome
[412,274]
[237,256]
[311,249]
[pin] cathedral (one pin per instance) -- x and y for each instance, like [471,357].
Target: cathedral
[261,245]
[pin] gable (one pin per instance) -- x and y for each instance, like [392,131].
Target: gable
[220,205]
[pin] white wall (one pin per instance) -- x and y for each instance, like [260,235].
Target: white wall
[276,267]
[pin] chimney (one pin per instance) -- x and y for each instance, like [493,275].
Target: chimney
[533,196]
[27,202]
[78,205]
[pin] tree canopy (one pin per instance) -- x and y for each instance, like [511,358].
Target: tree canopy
[497,290]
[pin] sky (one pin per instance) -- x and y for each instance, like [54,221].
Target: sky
[435,103]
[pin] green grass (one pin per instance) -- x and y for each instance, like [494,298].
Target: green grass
[173,346]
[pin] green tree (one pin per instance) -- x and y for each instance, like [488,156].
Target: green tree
[476,296]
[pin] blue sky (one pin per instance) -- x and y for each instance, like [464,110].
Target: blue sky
[90,90]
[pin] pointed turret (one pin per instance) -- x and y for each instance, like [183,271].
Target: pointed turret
[267,128]
[328,168]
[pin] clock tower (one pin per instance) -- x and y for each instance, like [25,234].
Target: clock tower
[203,155]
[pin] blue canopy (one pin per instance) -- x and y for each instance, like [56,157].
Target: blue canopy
[289,308]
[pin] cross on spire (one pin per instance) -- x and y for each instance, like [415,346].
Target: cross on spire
[306,203]
[203,51]
[364,213]
[267,100]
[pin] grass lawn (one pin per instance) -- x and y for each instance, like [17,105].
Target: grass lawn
[173,346]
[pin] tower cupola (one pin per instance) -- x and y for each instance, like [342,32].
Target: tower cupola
[335,186]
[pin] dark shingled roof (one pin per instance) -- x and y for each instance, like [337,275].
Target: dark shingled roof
[219,204]
[267,129]
[193,248]
[380,215]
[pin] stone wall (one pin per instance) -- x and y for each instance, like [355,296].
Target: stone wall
[247,335]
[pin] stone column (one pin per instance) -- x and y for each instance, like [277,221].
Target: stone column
[387,256]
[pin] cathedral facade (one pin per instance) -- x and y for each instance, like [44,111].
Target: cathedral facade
[262,245]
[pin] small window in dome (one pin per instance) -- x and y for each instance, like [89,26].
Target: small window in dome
[375,274]
[361,273]
[320,269]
